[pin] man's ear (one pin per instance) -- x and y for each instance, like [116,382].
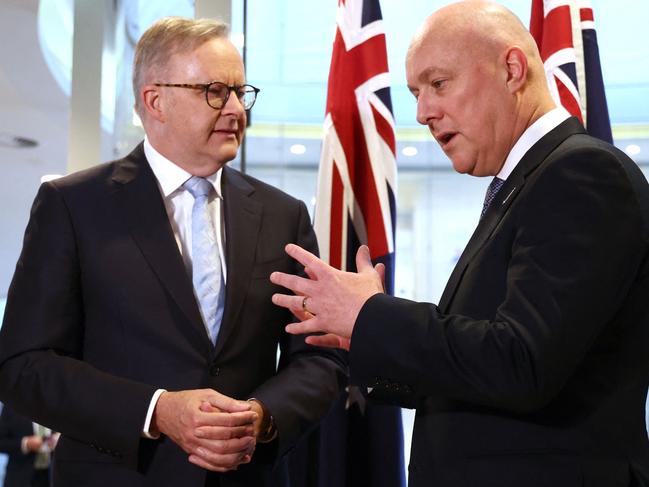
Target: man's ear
[152,102]
[516,62]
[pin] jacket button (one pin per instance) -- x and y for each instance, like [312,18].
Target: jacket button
[214,370]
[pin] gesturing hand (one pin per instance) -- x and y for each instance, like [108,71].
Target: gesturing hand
[329,300]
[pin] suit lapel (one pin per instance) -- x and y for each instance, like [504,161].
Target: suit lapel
[504,199]
[143,208]
[242,223]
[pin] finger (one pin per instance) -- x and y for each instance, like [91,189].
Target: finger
[225,419]
[297,284]
[311,325]
[310,273]
[212,450]
[329,340]
[226,453]
[306,258]
[363,259]
[301,314]
[206,407]
[226,403]
[380,269]
[293,303]
[220,463]
[196,460]
[224,432]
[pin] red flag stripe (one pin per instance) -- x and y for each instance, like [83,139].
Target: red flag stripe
[337,219]
[568,100]
[385,130]
[557,32]
[586,14]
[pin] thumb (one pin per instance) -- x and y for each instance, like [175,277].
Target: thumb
[363,259]
[225,403]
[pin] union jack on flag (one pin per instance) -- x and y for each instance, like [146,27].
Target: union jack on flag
[360,443]
[564,31]
[357,177]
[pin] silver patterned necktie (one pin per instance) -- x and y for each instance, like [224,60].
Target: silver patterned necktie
[492,190]
[207,276]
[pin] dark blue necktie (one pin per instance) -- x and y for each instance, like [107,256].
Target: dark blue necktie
[492,190]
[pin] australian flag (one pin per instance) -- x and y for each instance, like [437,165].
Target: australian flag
[564,31]
[361,443]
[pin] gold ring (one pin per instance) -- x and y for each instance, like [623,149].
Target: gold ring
[304,308]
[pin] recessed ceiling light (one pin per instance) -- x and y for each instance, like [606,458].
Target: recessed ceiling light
[16,142]
[297,149]
[632,149]
[409,151]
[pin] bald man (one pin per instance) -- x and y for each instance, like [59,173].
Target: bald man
[533,368]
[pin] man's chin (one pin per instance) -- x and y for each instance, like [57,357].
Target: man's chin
[462,166]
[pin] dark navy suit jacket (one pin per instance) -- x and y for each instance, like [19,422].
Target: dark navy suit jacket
[533,369]
[20,466]
[101,313]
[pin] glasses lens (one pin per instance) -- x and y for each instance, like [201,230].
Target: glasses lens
[247,96]
[216,95]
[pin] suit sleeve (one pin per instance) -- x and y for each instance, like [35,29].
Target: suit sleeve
[576,247]
[10,439]
[309,378]
[42,372]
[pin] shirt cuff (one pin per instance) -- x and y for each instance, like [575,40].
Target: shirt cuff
[149,415]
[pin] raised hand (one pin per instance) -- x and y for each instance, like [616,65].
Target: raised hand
[329,300]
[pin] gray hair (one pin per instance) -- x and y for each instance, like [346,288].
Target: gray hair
[166,37]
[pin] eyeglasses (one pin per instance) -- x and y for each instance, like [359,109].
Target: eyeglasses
[217,93]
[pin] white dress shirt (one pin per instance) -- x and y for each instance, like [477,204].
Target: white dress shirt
[179,203]
[531,136]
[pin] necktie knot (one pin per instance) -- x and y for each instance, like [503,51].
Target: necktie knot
[198,187]
[492,190]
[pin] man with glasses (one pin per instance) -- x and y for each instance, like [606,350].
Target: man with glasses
[139,321]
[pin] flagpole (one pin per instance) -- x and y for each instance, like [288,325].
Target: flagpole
[244,53]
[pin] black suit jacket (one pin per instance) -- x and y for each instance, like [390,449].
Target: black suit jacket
[101,313]
[533,369]
[20,466]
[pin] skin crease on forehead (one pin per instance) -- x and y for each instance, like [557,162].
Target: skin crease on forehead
[179,122]
[479,83]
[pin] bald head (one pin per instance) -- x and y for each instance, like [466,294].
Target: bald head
[480,29]
[479,82]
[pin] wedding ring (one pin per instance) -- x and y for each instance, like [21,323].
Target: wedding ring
[304,308]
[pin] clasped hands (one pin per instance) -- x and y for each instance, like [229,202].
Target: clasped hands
[218,432]
[328,301]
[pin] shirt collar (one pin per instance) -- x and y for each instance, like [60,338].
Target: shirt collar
[171,176]
[531,136]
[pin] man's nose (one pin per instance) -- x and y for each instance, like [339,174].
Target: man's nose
[233,104]
[427,109]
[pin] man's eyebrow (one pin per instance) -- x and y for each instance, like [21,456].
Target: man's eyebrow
[430,71]
[427,73]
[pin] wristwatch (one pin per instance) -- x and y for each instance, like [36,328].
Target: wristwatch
[269,432]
